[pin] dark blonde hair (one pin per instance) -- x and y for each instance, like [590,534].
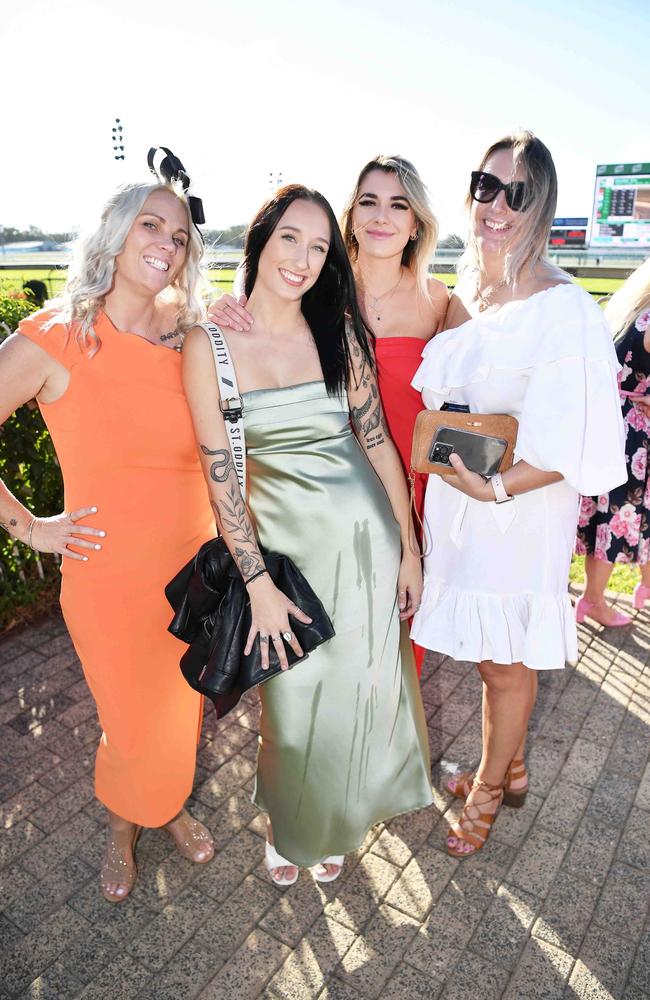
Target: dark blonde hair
[417,253]
[530,239]
[630,300]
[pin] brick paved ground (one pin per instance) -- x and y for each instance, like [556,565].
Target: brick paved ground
[555,906]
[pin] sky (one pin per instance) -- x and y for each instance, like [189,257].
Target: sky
[312,90]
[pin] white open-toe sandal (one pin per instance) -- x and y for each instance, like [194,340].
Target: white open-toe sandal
[320,875]
[274,860]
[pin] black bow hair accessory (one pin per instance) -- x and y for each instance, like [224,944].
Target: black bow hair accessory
[169,169]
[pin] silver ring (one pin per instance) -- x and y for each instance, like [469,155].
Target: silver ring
[287,636]
[276,638]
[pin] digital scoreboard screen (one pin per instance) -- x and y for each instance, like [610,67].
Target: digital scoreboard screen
[621,214]
[568,233]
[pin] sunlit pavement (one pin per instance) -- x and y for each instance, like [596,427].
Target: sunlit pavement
[555,906]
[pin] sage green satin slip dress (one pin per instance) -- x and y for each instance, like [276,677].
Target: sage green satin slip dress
[343,740]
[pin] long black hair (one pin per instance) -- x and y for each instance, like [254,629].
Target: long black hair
[330,306]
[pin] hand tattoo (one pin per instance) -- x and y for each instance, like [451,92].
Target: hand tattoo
[221,469]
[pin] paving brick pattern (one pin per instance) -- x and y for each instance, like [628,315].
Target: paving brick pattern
[555,906]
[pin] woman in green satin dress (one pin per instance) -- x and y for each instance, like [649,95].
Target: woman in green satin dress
[343,741]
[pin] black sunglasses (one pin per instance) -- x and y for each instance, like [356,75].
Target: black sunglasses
[485,187]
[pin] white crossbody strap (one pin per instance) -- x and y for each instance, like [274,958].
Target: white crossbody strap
[231,403]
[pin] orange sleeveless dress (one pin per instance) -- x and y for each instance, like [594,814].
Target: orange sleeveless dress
[124,438]
[398,359]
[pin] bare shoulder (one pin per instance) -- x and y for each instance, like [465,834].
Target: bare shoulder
[196,343]
[438,291]
[548,276]
[19,350]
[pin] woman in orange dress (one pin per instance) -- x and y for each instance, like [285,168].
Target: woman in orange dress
[390,233]
[105,368]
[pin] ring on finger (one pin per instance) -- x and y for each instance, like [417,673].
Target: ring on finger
[287,636]
[264,638]
[276,638]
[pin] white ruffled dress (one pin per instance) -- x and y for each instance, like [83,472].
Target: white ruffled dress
[495,576]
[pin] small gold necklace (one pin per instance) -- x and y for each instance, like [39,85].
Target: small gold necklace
[485,297]
[376,299]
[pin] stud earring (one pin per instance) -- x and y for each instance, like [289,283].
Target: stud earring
[414,236]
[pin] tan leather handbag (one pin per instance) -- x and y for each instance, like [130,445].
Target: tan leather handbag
[485,442]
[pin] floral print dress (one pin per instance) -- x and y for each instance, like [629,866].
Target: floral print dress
[615,526]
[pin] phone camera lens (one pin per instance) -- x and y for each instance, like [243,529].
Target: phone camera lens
[441,453]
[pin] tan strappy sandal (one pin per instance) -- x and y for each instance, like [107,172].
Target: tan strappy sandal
[474,826]
[514,797]
[119,870]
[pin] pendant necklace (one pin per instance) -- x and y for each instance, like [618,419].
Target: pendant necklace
[486,296]
[372,301]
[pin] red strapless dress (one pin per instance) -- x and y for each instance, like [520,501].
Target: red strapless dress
[398,359]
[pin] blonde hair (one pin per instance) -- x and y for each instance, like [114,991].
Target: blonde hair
[417,253]
[529,245]
[630,300]
[91,274]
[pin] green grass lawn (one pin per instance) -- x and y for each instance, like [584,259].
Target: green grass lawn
[11,280]
[623,580]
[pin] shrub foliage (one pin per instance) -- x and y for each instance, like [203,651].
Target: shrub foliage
[30,470]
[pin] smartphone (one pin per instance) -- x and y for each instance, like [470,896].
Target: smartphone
[455,407]
[479,452]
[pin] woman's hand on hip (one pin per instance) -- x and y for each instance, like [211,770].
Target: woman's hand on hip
[229,311]
[409,585]
[58,533]
[469,483]
[270,610]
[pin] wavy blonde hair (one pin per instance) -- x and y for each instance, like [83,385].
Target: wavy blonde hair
[417,253]
[91,274]
[630,300]
[529,245]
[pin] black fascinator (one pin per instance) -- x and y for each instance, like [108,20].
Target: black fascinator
[168,169]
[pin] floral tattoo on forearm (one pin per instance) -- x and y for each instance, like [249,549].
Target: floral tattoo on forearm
[232,517]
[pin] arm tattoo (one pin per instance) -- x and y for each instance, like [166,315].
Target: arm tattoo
[224,465]
[368,420]
[233,516]
[8,526]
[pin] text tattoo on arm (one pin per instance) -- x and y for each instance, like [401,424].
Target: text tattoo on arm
[368,420]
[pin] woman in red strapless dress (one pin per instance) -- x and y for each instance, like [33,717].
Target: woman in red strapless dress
[390,232]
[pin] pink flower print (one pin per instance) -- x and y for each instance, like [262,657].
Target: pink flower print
[624,373]
[580,547]
[638,463]
[636,419]
[623,520]
[634,530]
[646,496]
[587,510]
[603,541]
[643,321]
[644,550]
[603,502]
[624,557]
[642,385]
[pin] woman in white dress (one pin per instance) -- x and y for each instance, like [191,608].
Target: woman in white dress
[522,339]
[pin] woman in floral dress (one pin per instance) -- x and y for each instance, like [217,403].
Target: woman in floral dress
[615,527]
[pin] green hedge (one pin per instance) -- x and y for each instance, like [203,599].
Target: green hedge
[29,468]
